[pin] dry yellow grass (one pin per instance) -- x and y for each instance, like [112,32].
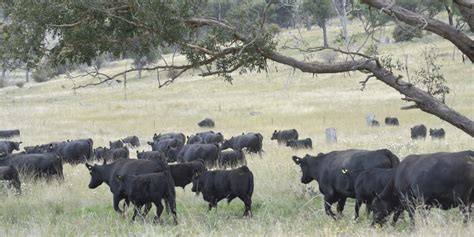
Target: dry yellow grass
[282,99]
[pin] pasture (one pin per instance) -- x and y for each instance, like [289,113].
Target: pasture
[281,99]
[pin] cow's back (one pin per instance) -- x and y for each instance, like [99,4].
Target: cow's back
[437,172]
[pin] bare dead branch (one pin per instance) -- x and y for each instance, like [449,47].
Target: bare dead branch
[364,82]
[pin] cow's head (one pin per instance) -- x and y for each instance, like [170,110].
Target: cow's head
[96,176]
[306,176]
[227,144]
[381,209]
[274,135]
[16,146]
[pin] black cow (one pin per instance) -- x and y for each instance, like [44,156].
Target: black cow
[211,137]
[206,123]
[283,136]
[38,149]
[101,153]
[108,172]
[9,133]
[231,159]
[74,152]
[334,184]
[132,140]
[298,144]
[115,144]
[36,165]
[391,121]
[368,184]
[437,133]
[183,173]
[152,155]
[119,153]
[180,136]
[149,188]
[418,131]
[374,123]
[10,174]
[194,139]
[206,152]
[219,184]
[443,179]
[164,144]
[252,142]
[7,146]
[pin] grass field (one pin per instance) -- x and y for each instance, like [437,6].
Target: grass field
[281,99]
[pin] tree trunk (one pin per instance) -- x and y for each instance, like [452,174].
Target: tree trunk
[27,76]
[450,13]
[340,7]
[467,12]
[2,79]
[422,99]
[462,41]
[325,34]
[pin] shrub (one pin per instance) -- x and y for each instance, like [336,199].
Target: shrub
[41,74]
[406,33]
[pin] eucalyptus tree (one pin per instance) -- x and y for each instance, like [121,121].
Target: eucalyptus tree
[243,42]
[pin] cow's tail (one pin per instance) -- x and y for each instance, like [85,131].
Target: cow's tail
[260,144]
[59,168]
[394,160]
[250,182]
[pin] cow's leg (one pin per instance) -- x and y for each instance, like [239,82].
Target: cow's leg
[146,209]
[159,210]
[396,215]
[230,198]
[136,209]
[328,201]
[358,203]
[340,205]
[464,207]
[411,213]
[368,206]
[248,205]
[116,199]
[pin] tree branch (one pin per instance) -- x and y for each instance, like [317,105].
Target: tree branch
[462,41]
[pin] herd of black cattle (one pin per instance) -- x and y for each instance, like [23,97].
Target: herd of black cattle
[376,178]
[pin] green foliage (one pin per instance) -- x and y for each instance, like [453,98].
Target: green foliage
[372,50]
[427,7]
[319,11]
[369,17]
[84,30]
[406,33]
[430,77]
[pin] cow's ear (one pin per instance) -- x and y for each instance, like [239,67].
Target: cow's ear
[297,160]
[89,167]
